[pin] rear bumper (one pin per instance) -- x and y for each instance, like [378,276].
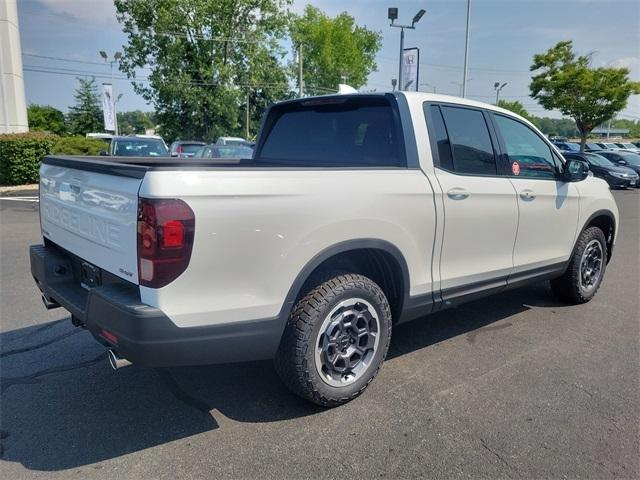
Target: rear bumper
[144,335]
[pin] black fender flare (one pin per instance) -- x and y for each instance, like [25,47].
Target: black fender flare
[336,249]
[600,213]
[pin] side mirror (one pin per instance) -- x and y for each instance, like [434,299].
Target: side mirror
[103,153]
[575,170]
[621,162]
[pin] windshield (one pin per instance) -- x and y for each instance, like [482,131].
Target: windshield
[610,145]
[139,148]
[628,145]
[598,160]
[631,158]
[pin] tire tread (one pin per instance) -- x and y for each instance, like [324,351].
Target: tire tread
[291,359]
[567,287]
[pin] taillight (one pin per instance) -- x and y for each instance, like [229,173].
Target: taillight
[165,238]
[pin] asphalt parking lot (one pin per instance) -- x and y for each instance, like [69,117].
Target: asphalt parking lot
[514,386]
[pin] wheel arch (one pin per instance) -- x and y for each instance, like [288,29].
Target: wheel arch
[377,259]
[605,220]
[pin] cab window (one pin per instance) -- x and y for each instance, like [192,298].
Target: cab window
[529,155]
[470,141]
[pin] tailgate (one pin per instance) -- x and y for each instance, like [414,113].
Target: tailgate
[91,214]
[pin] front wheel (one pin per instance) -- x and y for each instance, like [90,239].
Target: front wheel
[335,340]
[585,272]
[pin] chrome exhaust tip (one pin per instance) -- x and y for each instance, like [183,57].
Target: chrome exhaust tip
[116,361]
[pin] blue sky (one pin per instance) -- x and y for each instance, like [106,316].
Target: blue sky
[504,36]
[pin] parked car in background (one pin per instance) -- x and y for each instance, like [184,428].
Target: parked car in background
[185,148]
[589,147]
[235,141]
[135,146]
[225,152]
[567,146]
[616,176]
[230,141]
[607,146]
[623,158]
[628,146]
[105,137]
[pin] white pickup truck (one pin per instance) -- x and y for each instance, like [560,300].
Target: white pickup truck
[356,212]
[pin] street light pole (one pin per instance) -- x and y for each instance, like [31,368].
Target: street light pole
[498,88]
[393,15]
[466,52]
[400,57]
[247,117]
[115,113]
[300,77]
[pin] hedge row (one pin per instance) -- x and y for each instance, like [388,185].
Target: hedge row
[20,153]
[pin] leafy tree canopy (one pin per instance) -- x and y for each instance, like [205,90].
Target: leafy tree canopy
[334,50]
[45,118]
[515,107]
[133,122]
[563,127]
[204,57]
[86,115]
[590,96]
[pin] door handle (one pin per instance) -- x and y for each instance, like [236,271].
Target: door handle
[457,194]
[527,194]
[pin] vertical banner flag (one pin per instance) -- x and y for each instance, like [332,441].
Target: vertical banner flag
[107,107]
[411,69]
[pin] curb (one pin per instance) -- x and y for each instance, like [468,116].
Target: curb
[9,189]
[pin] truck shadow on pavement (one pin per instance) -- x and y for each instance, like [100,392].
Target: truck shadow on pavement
[63,407]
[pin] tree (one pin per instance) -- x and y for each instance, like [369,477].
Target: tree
[133,122]
[563,127]
[204,58]
[45,118]
[334,50]
[515,107]
[590,96]
[86,115]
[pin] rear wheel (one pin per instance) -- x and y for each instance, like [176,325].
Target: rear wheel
[336,340]
[585,272]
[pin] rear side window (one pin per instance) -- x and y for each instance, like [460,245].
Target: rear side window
[470,141]
[441,138]
[335,132]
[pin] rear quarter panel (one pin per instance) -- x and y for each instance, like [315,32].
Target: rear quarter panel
[256,229]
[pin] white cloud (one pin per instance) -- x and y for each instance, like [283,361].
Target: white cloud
[87,11]
[625,62]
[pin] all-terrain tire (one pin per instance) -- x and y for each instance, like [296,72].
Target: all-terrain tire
[568,287]
[296,359]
